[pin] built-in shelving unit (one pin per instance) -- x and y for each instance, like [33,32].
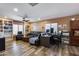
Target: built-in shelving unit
[1,28]
[6,27]
[74,32]
[27,28]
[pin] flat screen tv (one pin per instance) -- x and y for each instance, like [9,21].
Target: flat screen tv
[47,30]
[20,32]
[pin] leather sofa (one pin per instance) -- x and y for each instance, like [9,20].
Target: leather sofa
[34,38]
[19,36]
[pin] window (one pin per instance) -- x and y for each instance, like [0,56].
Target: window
[52,27]
[17,28]
[20,28]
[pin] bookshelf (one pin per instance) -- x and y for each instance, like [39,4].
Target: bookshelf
[6,27]
[27,28]
[1,28]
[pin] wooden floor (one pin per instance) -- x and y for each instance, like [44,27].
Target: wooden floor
[20,48]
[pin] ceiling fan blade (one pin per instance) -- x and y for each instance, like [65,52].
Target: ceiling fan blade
[33,4]
[26,20]
[21,16]
[24,16]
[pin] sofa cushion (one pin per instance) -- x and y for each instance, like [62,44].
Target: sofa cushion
[33,39]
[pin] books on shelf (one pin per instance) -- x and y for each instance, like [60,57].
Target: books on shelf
[6,28]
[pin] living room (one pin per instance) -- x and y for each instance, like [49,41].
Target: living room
[39,29]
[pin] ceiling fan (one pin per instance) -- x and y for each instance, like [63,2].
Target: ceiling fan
[24,17]
[33,4]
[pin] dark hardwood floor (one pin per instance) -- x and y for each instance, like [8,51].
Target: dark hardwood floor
[20,48]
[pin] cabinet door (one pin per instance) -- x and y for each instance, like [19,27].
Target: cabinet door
[2,44]
[74,24]
[74,32]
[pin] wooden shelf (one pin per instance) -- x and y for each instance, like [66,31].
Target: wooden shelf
[6,27]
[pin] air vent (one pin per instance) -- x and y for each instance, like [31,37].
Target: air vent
[33,4]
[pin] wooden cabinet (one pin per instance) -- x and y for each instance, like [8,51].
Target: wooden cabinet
[2,44]
[74,24]
[1,26]
[74,32]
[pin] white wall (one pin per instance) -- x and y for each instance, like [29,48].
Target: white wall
[36,27]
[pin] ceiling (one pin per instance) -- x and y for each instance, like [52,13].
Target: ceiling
[39,11]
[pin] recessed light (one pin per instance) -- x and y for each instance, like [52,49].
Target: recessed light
[38,18]
[15,9]
[5,17]
[72,19]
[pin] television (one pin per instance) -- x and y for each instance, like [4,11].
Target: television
[47,30]
[20,32]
